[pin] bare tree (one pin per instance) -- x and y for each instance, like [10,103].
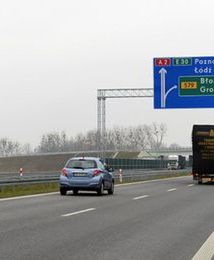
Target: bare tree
[118,135]
[52,142]
[26,149]
[156,134]
[91,140]
[140,141]
[118,138]
[8,147]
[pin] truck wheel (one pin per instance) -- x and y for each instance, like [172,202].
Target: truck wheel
[200,181]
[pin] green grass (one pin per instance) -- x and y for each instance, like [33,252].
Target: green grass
[21,190]
[30,189]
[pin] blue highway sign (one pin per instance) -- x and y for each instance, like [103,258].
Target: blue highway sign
[184,82]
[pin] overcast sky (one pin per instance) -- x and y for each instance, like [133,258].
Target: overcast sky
[55,54]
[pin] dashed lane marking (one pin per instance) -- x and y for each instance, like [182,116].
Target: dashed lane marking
[141,197]
[190,185]
[77,212]
[172,190]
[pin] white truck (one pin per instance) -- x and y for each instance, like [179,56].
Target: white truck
[176,162]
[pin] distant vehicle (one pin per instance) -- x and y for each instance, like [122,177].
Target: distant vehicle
[87,174]
[176,162]
[203,152]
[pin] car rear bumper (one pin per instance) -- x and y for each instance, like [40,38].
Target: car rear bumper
[86,185]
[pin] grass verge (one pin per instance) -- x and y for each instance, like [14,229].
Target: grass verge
[28,189]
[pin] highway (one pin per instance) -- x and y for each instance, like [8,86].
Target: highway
[162,219]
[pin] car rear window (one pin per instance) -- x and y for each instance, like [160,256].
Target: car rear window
[81,164]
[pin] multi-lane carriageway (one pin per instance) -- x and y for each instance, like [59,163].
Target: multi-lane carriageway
[162,219]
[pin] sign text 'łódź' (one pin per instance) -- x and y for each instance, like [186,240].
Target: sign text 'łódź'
[186,82]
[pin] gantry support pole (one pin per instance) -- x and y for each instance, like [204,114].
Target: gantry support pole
[102,95]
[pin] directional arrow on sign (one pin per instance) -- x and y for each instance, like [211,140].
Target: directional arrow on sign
[164,94]
[163,73]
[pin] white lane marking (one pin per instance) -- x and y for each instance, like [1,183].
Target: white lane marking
[141,197]
[171,190]
[29,196]
[190,185]
[77,212]
[206,252]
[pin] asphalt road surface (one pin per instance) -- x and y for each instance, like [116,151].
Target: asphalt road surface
[164,219]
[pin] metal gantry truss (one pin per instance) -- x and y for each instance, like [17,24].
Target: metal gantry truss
[103,94]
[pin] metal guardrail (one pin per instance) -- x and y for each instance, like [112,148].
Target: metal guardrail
[15,179]
[138,175]
[28,180]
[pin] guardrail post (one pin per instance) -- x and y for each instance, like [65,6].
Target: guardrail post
[21,172]
[120,175]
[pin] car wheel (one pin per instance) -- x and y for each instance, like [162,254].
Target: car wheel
[100,192]
[75,192]
[63,191]
[111,190]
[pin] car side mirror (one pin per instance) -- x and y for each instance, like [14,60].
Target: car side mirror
[109,168]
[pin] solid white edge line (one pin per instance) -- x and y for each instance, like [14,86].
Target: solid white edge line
[77,212]
[29,196]
[206,252]
[172,190]
[157,180]
[141,197]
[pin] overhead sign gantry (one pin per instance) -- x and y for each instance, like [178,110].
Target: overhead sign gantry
[102,95]
[184,82]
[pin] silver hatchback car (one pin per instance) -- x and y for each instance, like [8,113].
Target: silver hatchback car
[87,174]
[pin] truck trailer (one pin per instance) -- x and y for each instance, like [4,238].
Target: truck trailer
[203,152]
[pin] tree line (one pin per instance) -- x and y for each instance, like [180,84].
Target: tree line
[119,138]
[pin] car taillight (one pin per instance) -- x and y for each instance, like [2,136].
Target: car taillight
[64,172]
[97,173]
